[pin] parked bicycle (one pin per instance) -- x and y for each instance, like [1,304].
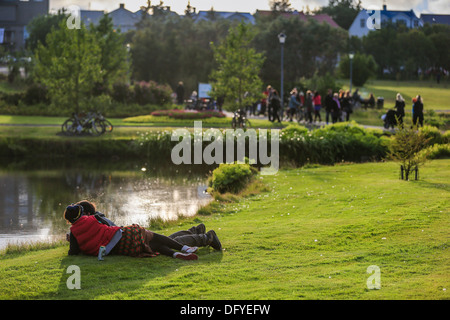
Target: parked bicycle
[92,123]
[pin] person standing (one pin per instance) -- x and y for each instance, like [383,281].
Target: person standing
[275,105]
[328,105]
[418,111]
[309,106]
[317,106]
[293,104]
[400,108]
[335,108]
[180,93]
[347,105]
[269,93]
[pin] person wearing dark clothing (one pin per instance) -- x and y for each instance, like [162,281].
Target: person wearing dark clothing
[309,106]
[335,108]
[294,104]
[347,105]
[400,108]
[418,111]
[275,105]
[180,93]
[197,237]
[268,94]
[328,105]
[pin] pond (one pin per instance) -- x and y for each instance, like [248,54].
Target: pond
[33,196]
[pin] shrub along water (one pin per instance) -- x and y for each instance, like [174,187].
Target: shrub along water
[343,142]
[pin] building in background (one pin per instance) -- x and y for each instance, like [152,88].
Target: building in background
[435,18]
[14,17]
[361,26]
[321,18]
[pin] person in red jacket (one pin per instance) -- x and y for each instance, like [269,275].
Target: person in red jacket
[89,235]
[317,106]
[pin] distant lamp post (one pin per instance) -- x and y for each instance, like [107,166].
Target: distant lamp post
[351,55]
[282,38]
[128,61]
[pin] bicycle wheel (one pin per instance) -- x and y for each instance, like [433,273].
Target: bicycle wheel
[69,127]
[107,125]
[98,128]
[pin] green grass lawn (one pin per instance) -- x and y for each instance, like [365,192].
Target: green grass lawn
[313,236]
[435,96]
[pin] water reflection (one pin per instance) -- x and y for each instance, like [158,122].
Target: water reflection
[32,201]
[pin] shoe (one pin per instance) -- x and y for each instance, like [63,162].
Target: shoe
[200,229]
[215,242]
[190,249]
[186,256]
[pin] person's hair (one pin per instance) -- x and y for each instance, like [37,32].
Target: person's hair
[399,97]
[88,207]
[336,95]
[73,213]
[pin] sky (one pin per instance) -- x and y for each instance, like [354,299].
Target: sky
[419,6]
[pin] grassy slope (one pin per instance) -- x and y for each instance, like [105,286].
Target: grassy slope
[312,237]
[436,97]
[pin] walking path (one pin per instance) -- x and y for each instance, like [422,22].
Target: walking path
[227,113]
[307,125]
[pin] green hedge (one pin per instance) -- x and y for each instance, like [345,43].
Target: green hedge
[344,142]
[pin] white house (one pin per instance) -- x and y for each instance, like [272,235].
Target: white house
[369,20]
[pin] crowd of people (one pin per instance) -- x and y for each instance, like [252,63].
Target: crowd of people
[338,107]
[307,107]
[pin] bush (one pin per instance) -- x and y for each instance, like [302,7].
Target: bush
[231,177]
[12,99]
[437,151]
[122,92]
[431,133]
[331,144]
[152,93]
[36,94]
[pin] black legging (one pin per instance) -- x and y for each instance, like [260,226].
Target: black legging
[164,245]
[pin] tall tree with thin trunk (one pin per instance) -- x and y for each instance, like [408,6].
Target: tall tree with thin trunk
[238,67]
[69,66]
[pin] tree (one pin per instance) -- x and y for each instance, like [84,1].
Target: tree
[343,12]
[237,75]
[68,66]
[39,27]
[114,62]
[405,148]
[310,48]
[280,5]
[364,67]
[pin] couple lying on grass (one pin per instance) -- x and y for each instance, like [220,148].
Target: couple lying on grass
[91,230]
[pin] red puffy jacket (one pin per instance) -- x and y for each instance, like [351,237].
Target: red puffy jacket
[91,234]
